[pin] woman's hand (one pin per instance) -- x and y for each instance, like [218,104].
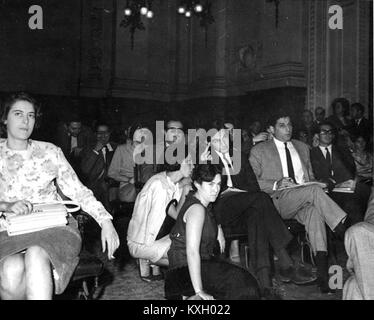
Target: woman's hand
[221,240]
[109,238]
[205,296]
[19,207]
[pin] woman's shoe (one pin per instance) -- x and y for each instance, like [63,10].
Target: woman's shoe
[144,268]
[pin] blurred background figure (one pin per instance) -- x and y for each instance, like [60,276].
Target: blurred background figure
[363,160]
[320,115]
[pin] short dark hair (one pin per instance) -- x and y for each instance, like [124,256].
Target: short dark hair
[102,124]
[344,102]
[20,96]
[218,124]
[307,110]
[204,172]
[358,106]
[325,123]
[274,117]
[170,167]
[173,120]
[135,126]
[320,108]
[74,117]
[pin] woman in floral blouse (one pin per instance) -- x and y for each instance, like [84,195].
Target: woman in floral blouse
[32,265]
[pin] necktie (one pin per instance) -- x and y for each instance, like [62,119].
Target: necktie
[228,159]
[328,159]
[291,172]
[104,150]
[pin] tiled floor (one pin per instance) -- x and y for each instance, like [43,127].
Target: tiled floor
[121,281]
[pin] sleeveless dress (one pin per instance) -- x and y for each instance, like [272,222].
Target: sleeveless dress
[220,278]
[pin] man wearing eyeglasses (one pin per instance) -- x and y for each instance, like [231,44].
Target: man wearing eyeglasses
[335,166]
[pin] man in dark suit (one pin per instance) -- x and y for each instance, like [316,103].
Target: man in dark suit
[95,162]
[72,137]
[320,115]
[360,125]
[243,208]
[335,166]
[307,126]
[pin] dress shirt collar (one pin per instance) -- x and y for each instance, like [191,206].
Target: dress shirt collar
[323,149]
[280,144]
[109,147]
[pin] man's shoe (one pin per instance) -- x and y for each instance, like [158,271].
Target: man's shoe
[298,276]
[152,278]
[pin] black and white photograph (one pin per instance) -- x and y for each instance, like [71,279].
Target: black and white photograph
[170,150]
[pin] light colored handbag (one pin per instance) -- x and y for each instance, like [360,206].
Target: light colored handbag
[43,216]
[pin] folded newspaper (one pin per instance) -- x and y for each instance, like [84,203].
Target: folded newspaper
[43,216]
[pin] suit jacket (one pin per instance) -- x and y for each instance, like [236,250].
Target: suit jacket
[63,139]
[93,164]
[310,131]
[338,124]
[321,167]
[363,129]
[267,165]
[245,179]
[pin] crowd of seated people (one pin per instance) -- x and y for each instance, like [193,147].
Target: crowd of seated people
[181,218]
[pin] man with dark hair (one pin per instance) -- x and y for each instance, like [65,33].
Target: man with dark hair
[335,167]
[308,126]
[125,167]
[95,163]
[281,166]
[243,208]
[72,138]
[320,115]
[173,132]
[360,125]
[154,214]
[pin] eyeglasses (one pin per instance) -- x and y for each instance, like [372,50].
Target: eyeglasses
[327,131]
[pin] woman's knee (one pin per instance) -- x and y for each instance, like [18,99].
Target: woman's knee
[12,271]
[36,254]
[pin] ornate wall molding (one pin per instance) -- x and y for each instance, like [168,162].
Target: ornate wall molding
[93,42]
[333,69]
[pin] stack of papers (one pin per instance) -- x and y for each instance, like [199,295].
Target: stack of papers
[343,189]
[42,217]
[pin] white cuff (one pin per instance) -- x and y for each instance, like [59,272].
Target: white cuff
[275,186]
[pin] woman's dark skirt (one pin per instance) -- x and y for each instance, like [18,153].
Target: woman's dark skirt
[223,280]
[62,244]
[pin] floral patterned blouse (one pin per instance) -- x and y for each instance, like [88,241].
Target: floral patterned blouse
[29,174]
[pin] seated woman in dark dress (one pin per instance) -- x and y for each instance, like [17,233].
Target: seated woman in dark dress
[193,270]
